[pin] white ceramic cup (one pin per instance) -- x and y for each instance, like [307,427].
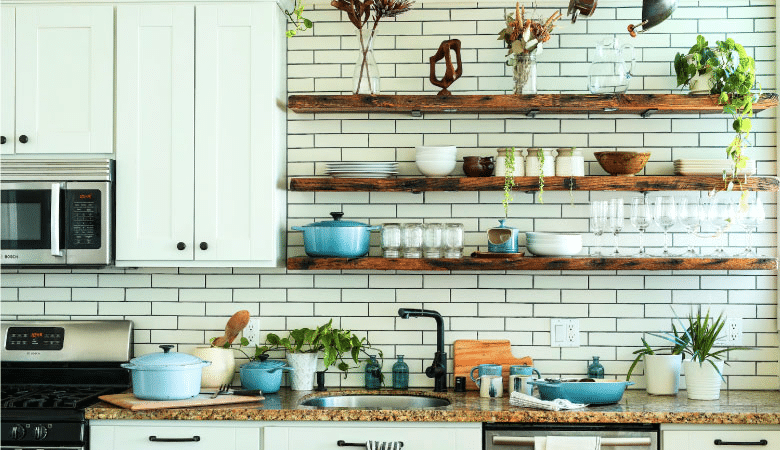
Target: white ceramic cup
[519,383]
[491,386]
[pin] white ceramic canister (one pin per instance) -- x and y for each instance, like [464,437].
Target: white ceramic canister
[501,162]
[222,368]
[569,163]
[533,166]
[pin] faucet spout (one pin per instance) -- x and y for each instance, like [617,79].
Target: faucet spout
[438,370]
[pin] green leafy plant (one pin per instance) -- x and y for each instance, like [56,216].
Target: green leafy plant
[734,79]
[509,179]
[296,18]
[678,339]
[540,154]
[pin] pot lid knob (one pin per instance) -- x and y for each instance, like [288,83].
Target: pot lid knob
[337,215]
[166,347]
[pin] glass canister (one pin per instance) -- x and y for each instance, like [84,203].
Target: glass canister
[519,165]
[400,374]
[537,159]
[453,240]
[569,163]
[412,240]
[373,373]
[595,369]
[391,240]
[432,240]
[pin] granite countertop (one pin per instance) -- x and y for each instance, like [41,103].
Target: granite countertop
[733,407]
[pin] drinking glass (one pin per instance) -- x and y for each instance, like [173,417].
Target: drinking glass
[641,218]
[720,215]
[432,240]
[453,240]
[412,240]
[751,214]
[616,218]
[665,217]
[598,223]
[690,214]
[391,240]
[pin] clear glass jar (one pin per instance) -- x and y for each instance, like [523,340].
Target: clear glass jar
[411,240]
[595,369]
[373,373]
[501,162]
[453,240]
[432,240]
[365,77]
[524,73]
[391,240]
[400,374]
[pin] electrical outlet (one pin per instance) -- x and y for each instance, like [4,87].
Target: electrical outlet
[252,331]
[731,335]
[564,332]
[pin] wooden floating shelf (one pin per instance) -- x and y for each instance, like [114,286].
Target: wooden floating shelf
[530,105]
[531,263]
[590,183]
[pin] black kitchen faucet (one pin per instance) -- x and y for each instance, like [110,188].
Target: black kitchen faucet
[437,370]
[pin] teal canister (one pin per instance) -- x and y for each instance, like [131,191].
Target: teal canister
[595,369]
[400,374]
[373,373]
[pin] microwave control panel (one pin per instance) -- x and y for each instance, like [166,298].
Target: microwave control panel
[84,219]
[35,338]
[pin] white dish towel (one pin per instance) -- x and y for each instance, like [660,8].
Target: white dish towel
[379,445]
[528,401]
[567,443]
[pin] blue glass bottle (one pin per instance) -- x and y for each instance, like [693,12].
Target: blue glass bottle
[400,374]
[595,369]
[373,373]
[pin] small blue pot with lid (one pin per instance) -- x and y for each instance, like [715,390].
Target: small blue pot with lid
[167,375]
[263,375]
[502,239]
[336,238]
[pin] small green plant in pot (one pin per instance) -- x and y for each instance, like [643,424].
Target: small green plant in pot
[662,364]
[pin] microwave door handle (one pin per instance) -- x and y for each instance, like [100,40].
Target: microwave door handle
[55,219]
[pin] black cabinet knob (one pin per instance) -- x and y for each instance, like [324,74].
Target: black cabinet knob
[204,246]
[23,139]
[181,245]
[2,139]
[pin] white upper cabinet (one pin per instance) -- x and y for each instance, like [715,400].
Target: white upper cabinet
[64,82]
[7,81]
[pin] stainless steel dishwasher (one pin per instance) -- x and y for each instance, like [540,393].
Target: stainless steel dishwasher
[521,436]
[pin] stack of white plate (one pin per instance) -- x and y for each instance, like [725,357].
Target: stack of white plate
[360,169]
[552,244]
[711,167]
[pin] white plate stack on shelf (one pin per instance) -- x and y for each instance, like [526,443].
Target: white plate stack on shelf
[711,167]
[553,244]
[362,169]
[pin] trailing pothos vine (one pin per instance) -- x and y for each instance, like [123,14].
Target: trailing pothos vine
[509,179]
[296,18]
[540,155]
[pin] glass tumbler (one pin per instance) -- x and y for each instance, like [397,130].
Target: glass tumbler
[432,240]
[453,240]
[391,240]
[412,240]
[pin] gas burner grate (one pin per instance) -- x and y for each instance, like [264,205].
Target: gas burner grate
[51,396]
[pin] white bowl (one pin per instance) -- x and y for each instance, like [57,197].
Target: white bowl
[436,152]
[436,168]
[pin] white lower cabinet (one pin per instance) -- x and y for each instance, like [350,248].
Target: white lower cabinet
[719,437]
[173,435]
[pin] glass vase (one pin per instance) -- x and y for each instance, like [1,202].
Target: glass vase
[365,78]
[524,72]
[400,374]
[373,373]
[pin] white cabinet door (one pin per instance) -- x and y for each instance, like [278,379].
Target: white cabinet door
[7,83]
[64,79]
[237,131]
[155,132]
[716,437]
[176,436]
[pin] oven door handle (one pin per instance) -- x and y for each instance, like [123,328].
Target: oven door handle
[610,442]
[56,191]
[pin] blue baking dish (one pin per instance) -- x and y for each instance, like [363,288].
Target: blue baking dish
[598,392]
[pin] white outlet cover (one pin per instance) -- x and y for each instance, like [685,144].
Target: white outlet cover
[252,331]
[564,332]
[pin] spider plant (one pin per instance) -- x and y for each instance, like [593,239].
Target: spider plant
[678,339]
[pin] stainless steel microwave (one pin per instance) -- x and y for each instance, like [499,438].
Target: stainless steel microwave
[57,212]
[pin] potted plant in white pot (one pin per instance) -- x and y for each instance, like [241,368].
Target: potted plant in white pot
[662,371]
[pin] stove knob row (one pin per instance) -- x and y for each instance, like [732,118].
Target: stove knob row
[40,432]
[17,432]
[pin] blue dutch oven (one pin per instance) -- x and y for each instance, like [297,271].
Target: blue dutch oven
[263,375]
[336,238]
[598,392]
[167,375]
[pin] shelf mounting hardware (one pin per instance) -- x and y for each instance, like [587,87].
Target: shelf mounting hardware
[608,109]
[532,113]
[648,113]
[416,113]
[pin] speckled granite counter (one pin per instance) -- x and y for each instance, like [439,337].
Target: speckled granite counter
[734,407]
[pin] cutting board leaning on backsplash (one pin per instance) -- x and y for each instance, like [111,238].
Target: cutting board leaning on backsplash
[469,353]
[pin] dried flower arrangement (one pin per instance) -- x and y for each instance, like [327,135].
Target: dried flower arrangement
[359,13]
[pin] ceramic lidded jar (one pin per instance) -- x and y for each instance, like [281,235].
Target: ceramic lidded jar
[502,239]
[519,167]
[538,159]
[569,163]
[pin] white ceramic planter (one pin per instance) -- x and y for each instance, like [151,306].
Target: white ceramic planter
[222,368]
[304,365]
[703,381]
[662,373]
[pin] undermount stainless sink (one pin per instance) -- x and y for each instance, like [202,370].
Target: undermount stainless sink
[376,401]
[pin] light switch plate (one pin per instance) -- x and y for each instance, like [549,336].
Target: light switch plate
[564,332]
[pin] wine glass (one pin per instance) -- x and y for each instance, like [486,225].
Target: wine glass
[598,223]
[691,214]
[721,216]
[641,217]
[665,217]
[615,217]
[750,215]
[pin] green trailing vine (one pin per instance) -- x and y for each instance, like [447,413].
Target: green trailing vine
[509,179]
[540,155]
[296,18]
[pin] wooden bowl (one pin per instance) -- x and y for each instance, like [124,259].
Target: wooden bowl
[622,163]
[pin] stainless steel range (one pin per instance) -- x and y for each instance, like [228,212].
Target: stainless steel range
[51,372]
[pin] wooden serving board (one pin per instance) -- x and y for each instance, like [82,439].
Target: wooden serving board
[131,402]
[471,353]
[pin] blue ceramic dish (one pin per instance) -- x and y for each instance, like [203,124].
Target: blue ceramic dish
[336,238]
[600,392]
[263,375]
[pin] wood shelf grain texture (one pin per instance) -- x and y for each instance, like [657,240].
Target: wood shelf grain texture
[591,183]
[530,263]
[644,104]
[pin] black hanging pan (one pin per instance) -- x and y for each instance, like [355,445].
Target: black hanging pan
[653,13]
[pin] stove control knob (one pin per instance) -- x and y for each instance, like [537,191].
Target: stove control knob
[40,432]
[17,432]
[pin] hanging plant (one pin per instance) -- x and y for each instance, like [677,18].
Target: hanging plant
[540,155]
[509,179]
[296,18]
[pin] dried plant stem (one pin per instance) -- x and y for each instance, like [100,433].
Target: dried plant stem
[364,49]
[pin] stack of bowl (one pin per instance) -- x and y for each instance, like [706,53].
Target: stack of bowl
[436,161]
[552,244]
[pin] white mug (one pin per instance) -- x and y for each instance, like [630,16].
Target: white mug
[491,386]
[519,383]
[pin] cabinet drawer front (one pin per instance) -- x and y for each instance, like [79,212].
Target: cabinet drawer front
[722,440]
[427,438]
[173,438]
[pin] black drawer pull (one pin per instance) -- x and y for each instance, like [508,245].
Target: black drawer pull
[341,443]
[192,439]
[722,442]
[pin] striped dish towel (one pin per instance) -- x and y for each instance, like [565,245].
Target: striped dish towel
[380,445]
[527,401]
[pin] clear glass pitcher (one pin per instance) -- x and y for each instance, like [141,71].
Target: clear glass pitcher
[610,71]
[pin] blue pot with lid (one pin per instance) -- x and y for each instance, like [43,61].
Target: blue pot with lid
[265,375]
[167,375]
[502,239]
[336,238]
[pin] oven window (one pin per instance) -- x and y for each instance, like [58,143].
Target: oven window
[25,219]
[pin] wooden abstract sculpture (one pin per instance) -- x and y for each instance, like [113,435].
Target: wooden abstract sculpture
[450,75]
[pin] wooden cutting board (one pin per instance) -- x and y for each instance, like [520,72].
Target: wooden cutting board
[130,401]
[471,353]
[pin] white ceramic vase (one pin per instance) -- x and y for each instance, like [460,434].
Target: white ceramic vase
[304,365]
[702,84]
[222,368]
[702,381]
[662,373]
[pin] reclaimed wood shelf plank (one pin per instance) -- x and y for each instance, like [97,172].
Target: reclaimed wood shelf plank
[531,263]
[643,104]
[642,183]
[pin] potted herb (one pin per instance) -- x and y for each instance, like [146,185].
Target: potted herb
[726,71]
[662,370]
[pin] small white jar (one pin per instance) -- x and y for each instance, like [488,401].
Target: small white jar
[569,163]
[533,168]
[501,162]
